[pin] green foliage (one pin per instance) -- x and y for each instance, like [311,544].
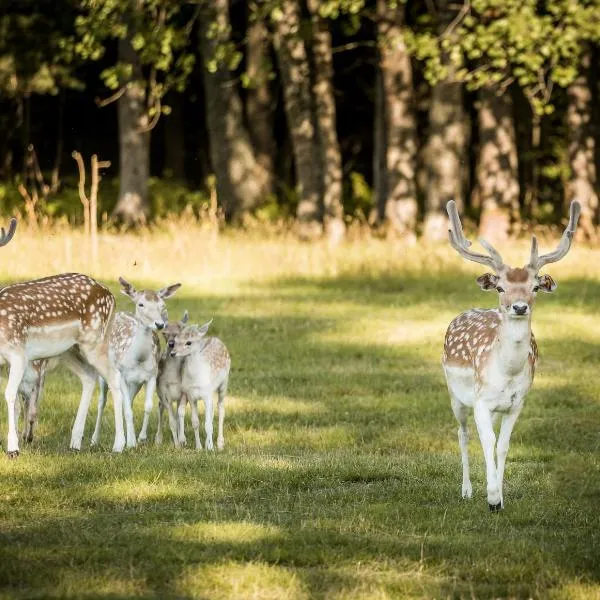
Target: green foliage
[495,42]
[36,56]
[358,196]
[158,32]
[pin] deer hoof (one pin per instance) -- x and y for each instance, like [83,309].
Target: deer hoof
[12,453]
[495,507]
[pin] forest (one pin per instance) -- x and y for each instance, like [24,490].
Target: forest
[316,114]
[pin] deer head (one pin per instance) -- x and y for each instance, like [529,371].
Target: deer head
[188,339]
[516,287]
[150,307]
[174,328]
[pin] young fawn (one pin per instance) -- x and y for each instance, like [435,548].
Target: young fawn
[205,370]
[490,355]
[168,382]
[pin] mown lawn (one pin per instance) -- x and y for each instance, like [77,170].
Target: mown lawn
[341,473]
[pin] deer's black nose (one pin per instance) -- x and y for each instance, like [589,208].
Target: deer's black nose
[520,308]
[159,325]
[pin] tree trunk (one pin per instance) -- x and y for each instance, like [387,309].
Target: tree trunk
[260,104]
[295,76]
[582,178]
[497,166]
[446,144]
[133,206]
[330,155]
[175,138]
[398,100]
[379,153]
[241,180]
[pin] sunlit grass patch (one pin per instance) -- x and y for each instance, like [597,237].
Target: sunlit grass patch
[241,580]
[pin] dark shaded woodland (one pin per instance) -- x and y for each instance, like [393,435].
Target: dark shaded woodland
[321,111]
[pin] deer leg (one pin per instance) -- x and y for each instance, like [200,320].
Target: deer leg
[172,422]
[483,420]
[128,413]
[208,420]
[181,419]
[461,413]
[196,423]
[508,422]
[18,363]
[148,405]
[86,373]
[32,408]
[98,358]
[158,437]
[222,392]
[101,405]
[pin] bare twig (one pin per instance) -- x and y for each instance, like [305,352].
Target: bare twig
[102,103]
[464,11]
[82,195]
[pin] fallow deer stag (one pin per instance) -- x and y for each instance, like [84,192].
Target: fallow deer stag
[490,355]
[46,317]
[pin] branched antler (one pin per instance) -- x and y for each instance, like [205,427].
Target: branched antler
[537,262]
[461,244]
[5,237]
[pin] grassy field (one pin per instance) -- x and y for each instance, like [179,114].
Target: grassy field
[341,472]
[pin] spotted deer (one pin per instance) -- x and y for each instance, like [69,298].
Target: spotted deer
[168,382]
[134,351]
[490,355]
[46,317]
[205,370]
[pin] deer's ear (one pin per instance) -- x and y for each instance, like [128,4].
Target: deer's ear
[167,292]
[488,281]
[546,283]
[127,288]
[186,317]
[203,329]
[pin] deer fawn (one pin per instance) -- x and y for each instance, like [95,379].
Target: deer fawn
[490,355]
[134,351]
[205,370]
[168,383]
[45,317]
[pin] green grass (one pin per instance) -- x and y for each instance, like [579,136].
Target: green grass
[341,474]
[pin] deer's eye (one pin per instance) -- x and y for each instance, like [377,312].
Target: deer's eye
[141,305]
[499,289]
[188,343]
[536,288]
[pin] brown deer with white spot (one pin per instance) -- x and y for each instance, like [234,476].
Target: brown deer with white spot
[46,317]
[134,351]
[490,355]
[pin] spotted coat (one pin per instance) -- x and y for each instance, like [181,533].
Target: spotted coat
[472,336]
[122,337]
[54,300]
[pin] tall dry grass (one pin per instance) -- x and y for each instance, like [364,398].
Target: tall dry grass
[195,255]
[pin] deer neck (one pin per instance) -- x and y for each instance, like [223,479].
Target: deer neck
[514,341]
[143,341]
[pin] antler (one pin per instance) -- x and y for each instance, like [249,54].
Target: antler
[537,262]
[461,244]
[6,237]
